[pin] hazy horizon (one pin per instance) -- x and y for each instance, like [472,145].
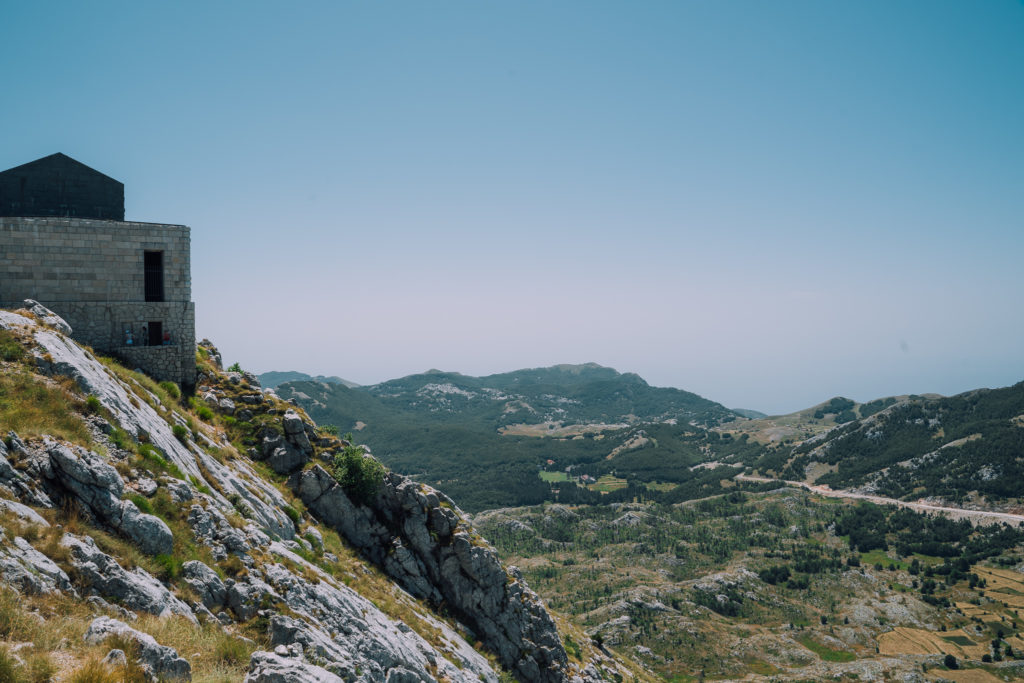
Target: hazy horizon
[767,204]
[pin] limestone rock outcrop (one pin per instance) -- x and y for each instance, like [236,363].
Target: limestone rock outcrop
[136,589]
[269,667]
[418,536]
[47,316]
[97,485]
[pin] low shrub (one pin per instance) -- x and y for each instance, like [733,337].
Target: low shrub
[232,651]
[169,567]
[292,513]
[172,389]
[180,432]
[120,438]
[360,475]
[142,503]
[39,668]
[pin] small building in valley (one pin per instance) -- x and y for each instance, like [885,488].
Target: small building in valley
[124,287]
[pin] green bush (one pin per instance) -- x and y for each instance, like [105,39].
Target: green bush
[329,429]
[204,413]
[169,566]
[360,475]
[172,389]
[152,456]
[92,404]
[234,367]
[180,432]
[120,439]
[142,503]
[292,513]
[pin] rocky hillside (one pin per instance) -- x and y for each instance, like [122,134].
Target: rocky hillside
[147,535]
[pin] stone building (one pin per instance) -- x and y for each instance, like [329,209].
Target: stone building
[124,287]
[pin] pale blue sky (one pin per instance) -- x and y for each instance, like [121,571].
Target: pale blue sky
[768,203]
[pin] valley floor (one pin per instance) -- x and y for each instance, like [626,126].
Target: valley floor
[769,587]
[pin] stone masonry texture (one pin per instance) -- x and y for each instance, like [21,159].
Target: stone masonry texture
[91,273]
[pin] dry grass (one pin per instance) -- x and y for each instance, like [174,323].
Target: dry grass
[1003,585]
[214,654]
[56,623]
[917,641]
[33,406]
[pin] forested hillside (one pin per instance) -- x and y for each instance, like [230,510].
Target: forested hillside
[484,440]
[959,448]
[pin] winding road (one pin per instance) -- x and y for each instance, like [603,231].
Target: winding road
[976,517]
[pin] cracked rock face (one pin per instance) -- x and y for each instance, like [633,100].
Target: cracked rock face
[23,566]
[205,582]
[136,589]
[425,543]
[96,484]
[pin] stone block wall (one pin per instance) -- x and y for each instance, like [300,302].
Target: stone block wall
[91,273]
[81,259]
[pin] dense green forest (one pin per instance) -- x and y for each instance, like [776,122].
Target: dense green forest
[444,428]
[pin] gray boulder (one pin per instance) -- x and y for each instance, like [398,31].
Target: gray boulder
[146,486]
[287,452]
[137,589]
[87,477]
[295,432]
[22,484]
[205,582]
[161,662]
[180,491]
[23,512]
[94,482]
[150,533]
[212,528]
[268,667]
[246,598]
[47,316]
